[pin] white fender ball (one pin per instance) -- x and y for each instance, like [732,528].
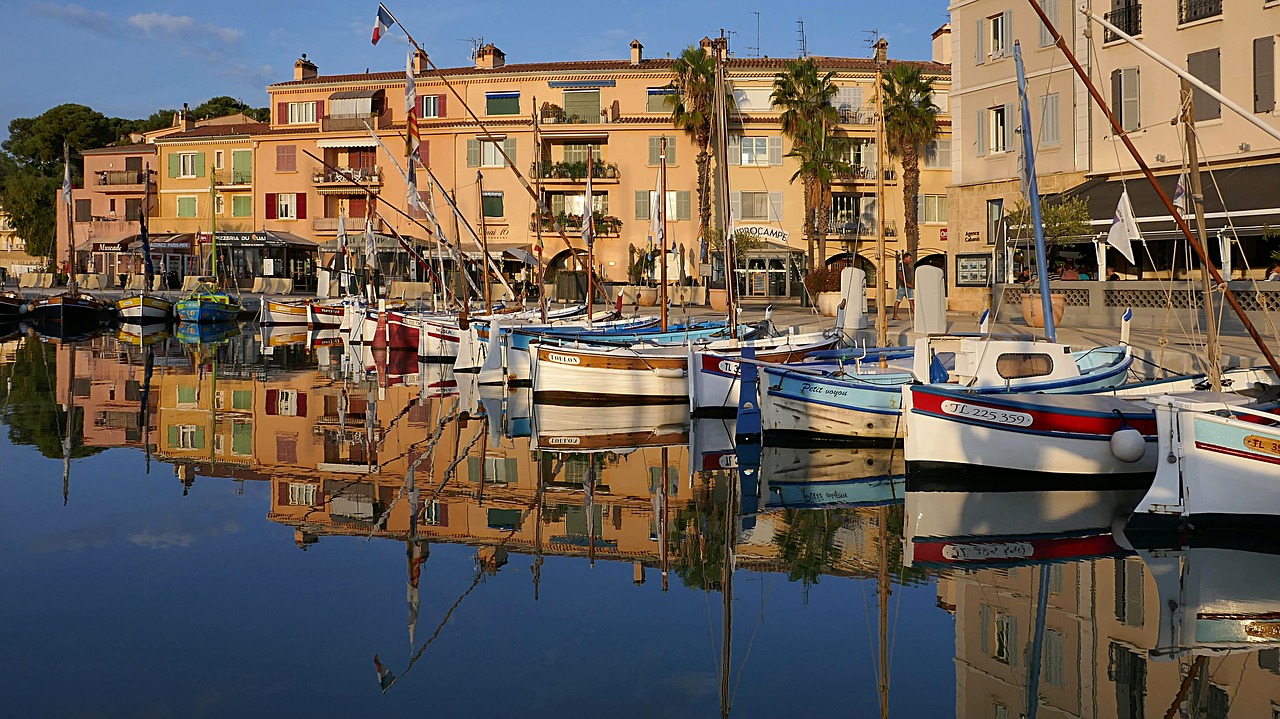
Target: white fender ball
[1128,444]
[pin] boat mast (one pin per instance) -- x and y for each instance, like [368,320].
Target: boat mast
[484,244]
[149,269]
[662,236]
[721,133]
[213,231]
[541,272]
[1033,198]
[71,226]
[1214,351]
[882,315]
[67,440]
[1164,197]
[589,234]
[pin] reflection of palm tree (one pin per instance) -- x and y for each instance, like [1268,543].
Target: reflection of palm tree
[698,534]
[806,547]
[910,123]
[809,118]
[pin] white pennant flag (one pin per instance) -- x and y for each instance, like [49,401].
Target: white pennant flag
[1124,229]
[1180,199]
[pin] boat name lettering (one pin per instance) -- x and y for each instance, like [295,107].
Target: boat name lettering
[562,359]
[561,441]
[1258,443]
[979,552]
[812,389]
[729,367]
[987,414]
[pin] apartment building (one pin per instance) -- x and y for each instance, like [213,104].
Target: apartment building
[107,210]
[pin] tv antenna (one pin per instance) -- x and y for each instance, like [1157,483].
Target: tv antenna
[804,45]
[475,42]
[755,51]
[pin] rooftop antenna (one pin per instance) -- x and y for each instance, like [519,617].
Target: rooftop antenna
[804,46]
[727,35]
[755,50]
[873,37]
[475,42]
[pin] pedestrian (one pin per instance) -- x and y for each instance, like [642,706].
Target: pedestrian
[1112,275]
[1273,272]
[906,284]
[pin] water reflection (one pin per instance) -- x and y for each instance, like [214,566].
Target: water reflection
[513,527]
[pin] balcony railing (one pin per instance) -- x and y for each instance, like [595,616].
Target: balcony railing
[841,226]
[1128,19]
[356,122]
[348,176]
[867,173]
[857,115]
[329,226]
[575,170]
[231,178]
[606,225]
[121,177]
[1192,10]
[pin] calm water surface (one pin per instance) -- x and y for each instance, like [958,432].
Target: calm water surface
[243,528]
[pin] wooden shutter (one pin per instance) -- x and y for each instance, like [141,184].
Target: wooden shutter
[197,439]
[509,147]
[1264,74]
[270,209]
[424,153]
[1008,127]
[1008,33]
[1117,92]
[282,113]
[199,164]
[735,206]
[1206,65]
[671,150]
[440,111]
[984,621]
[300,205]
[174,164]
[473,152]
[981,126]
[282,494]
[1050,133]
[273,395]
[775,149]
[655,150]
[173,436]
[735,149]
[1050,8]
[302,396]
[642,204]
[980,42]
[775,207]
[319,110]
[1130,97]
[683,209]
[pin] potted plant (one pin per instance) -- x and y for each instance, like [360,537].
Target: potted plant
[1061,219]
[824,284]
[552,113]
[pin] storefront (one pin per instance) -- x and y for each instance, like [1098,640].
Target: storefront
[246,256]
[770,268]
[171,257]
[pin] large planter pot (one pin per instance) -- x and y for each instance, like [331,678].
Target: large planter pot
[828,303]
[1033,312]
[719,299]
[647,296]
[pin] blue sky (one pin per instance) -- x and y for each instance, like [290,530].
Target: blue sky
[128,58]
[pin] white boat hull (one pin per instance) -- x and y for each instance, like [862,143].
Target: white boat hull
[144,308]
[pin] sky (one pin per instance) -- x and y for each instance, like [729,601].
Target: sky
[129,58]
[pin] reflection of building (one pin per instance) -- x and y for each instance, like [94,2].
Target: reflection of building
[1103,617]
[108,388]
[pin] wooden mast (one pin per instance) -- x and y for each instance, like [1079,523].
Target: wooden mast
[882,315]
[883,590]
[1164,197]
[1213,366]
[662,236]
[589,234]
[71,226]
[721,133]
[541,273]
[484,244]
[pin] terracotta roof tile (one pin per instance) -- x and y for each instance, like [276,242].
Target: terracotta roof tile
[120,149]
[247,128]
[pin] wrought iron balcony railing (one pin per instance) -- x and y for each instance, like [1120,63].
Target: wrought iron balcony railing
[1127,18]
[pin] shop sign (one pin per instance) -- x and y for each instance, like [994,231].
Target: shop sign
[765,232]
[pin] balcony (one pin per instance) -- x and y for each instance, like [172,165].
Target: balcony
[356,122]
[844,228]
[232,179]
[103,228]
[121,181]
[347,180]
[857,115]
[576,171]
[1128,19]
[1193,10]
[329,226]
[865,173]
[606,225]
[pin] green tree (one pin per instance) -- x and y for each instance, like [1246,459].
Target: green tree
[36,142]
[910,123]
[30,407]
[222,105]
[30,199]
[810,120]
[691,111]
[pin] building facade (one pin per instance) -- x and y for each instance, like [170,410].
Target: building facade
[107,211]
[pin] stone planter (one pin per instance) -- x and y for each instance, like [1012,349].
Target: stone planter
[1033,313]
[828,303]
[647,296]
[719,299]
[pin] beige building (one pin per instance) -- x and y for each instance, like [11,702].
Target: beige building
[13,250]
[108,209]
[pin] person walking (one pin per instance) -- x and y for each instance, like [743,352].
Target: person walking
[906,284]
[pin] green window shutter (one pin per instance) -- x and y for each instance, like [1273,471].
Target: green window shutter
[642,204]
[735,149]
[242,438]
[242,166]
[509,147]
[186,394]
[984,622]
[197,442]
[979,45]
[474,467]
[775,150]
[655,149]
[682,204]
[173,165]
[173,436]
[473,153]
[671,150]
[242,398]
[242,206]
[582,105]
[199,164]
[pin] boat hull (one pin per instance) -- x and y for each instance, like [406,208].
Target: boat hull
[714,378]
[142,309]
[206,311]
[800,404]
[68,310]
[283,313]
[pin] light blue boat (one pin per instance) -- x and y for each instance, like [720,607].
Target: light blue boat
[207,305]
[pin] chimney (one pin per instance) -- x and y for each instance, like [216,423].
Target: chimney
[942,44]
[420,62]
[637,52]
[882,52]
[706,45]
[182,118]
[490,57]
[304,69]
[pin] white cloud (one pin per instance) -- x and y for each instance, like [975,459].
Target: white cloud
[76,15]
[150,22]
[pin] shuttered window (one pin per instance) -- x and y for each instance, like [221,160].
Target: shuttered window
[242,438]
[502,103]
[937,155]
[655,150]
[286,158]
[756,206]
[1207,67]
[1050,133]
[492,203]
[1264,74]
[761,151]
[485,153]
[656,99]
[1125,97]
[242,206]
[582,105]
[186,207]
[1050,8]
[679,205]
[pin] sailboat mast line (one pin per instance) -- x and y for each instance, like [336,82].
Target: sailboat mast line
[1164,197]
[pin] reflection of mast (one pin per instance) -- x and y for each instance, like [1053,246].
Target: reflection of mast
[883,591]
[537,533]
[726,590]
[1037,644]
[662,546]
[590,506]
[66,438]
[144,417]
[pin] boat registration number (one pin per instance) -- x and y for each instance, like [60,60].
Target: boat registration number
[994,551]
[987,414]
[562,359]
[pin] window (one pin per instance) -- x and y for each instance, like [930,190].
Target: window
[302,494]
[995,220]
[678,204]
[570,204]
[488,153]
[1207,67]
[242,206]
[219,204]
[1018,365]
[655,150]
[433,513]
[757,151]
[187,164]
[756,206]
[937,155]
[430,106]
[83,210]
[933,209]
[1050,134]
[753,99]
[242,399]
[187,206]
[1128,596]
[502,103]
[578,153]
[132,208]
[217,159]
[286,448]
[111,207]
[1050,8]
[492,203]
[186,394]
[941,101]
[848,103]
[1128,671]
[242,438]
[505,520]
[241,167]
[1125,98]
[999,129]
[286,158]
[1193,10]
[998,28]
[1264,74]
[286,403]
[1054,648]
[582,105]
[286,209]
[656,99]
[1005,636]
[302,113]
[186,436]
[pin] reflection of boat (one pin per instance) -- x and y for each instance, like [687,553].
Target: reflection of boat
[281,336]
[604,428]
[141,335]
[12,304]
[828,477]
[195,333]
[983,528]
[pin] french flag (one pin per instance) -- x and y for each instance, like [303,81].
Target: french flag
[382,24]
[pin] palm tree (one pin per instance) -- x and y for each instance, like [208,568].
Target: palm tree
[691,111]
[809,119]
[910,123]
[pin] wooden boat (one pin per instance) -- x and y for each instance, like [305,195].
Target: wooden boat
[612,428]
[1222,468]
[207,305]
[276,312]
[641,372]
[72,310]
[12,304]
[206,333]
[143,309]
[326,314]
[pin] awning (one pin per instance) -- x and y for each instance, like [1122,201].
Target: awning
[355,94]
[119,245]
[170,242]
[520,255]
[1252,202]
[258,239]
[383,243]
[353,142]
